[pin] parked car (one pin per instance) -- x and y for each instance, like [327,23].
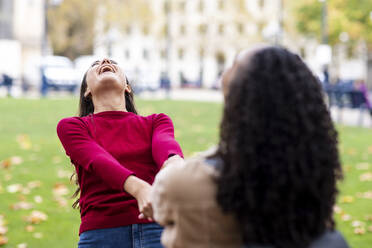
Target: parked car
[57,73]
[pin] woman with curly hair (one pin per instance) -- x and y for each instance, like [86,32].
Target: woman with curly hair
[117,154]
[273,180]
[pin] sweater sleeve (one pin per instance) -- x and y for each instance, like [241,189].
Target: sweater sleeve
[87,153]
[164,144]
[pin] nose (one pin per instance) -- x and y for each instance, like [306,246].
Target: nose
[105,61]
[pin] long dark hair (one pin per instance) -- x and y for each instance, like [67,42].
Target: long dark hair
[278,145]
[86,107]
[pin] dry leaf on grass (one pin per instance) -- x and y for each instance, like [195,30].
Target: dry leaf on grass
[34,184]
[365,195]
[345,217]
[3,230]
[347,199]
[14,188]
[22,245]
[3,240]
[21,205]
[362,166]
[30,228]
[360,230]
[38,199]
[60,189]
[36,217]
[38,235]
[366,177]
[24,141]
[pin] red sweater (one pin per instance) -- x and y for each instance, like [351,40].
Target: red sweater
[108,147]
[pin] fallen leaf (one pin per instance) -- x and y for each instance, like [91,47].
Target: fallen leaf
[22,245]
[24,141]
[56,159]
[38,235]
[360,230]
[60,189]
[7,177]
[64,174]
[3,240]
[368,217]
[362,166]
[370,149]
[357,223]
[345,217]
[38,199]
[6,163]
[16,160]
[34,184]
[36,217]
[351,151]
[366,177]
[21,205]
[30,228]
[3,230]
[337,209]
[14,188]
[365,195]
[347,199]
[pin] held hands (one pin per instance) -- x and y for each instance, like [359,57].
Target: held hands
[140,190]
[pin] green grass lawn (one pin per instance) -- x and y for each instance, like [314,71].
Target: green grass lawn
[28,137]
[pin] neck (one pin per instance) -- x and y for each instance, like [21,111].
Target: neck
[109,101]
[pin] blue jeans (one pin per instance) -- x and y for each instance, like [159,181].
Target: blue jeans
[132,236]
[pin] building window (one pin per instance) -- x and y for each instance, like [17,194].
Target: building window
[203,29]
[166,29]
[240,28]
[6,19]
[127,54]
[145,30]
[182,29]
[166,7]
[163,53]
[221,5]
[145,54]
[183,6]
[128,30]
[201,53]
[261,3]
[221,29]
[201,6]
[181,53]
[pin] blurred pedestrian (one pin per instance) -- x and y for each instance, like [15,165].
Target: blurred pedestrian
[8,83]
[165,84]
[272,182]
[117,154]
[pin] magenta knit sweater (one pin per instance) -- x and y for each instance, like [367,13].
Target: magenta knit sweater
[108,147]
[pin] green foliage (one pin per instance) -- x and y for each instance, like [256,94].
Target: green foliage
[72,24]
[71,27]
[350,16]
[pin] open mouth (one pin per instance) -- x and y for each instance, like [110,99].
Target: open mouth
[106,68]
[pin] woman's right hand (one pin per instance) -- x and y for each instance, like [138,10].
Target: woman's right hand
[140,190]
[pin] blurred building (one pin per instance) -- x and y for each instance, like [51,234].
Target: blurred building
[22,29]
[193,41]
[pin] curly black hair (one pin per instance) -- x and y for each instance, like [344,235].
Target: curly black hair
[278,145]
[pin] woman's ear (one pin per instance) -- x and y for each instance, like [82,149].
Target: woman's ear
[87,93]
[128,88]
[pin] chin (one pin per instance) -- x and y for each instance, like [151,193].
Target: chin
[110,80]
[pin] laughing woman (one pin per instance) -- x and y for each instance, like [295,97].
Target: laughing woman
[117,155]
